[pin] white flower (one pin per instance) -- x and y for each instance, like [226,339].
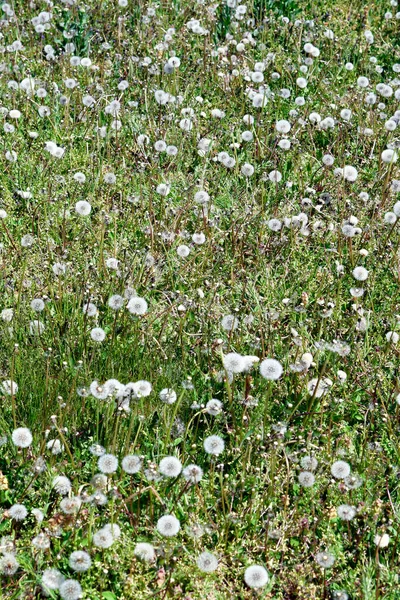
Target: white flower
[389,156]
[168,525]
[98,334]
[83,208]
[392,336]
[340,469]
[145,551]
[22,437]
[207,562]
[271,369]
[214,445]
[350,173]
[360,273]
[137,306]
[381,540]
[234,362]
[170,466]
[256,576]
[9,387]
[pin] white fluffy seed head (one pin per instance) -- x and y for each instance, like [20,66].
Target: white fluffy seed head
[256,576]
[168,525]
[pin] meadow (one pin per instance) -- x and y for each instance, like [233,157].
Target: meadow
[199,300]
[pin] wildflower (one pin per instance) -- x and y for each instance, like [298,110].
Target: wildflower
[229,323]
[137,306]
[340,595]
[22,437]
[382,540]
[131,464]
[207,562]
[36,327]
[90,309]
[360,273]
[41,541]
[70,589]
[392,336]
[318,387]
[350,173]
[389,156]
[309,462]
[325,559]
[170,466]
[143,388]
[192,473]
[17,512]
[70,506]
[83,208]
[9,388]
[168,525]
[346,512]
[98,334]
[107,463]
[116,302]
[52,579]
[62,485]
[271,369]
[183,251]
[213,407]
[38,514]
[340,469]
[168,396]
[55,446]
[80,561]
[145,551]
[103,538]
[214,445]
[256,576]
[234,362]
[306,479]
[8,564]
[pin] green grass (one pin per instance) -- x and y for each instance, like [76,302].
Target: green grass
[289,290]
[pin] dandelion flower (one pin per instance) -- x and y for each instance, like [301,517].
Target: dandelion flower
[325,559]
[80,561]
[52,579]
[271,369]
[18,512]
[306,479]
[62,485]
[168,396]
[103,538]
[214,445]
[22,437]
[340,469]
[207,562]
[346,512]
[382,540]
[170,466]
[256,576]
[83,208]
[137,306]
[192,473]
[360,273]
[70,589]
[145,551]
[8,564]
[168,525]
[98,334]
[107,463]
[131,464]
[234,362]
